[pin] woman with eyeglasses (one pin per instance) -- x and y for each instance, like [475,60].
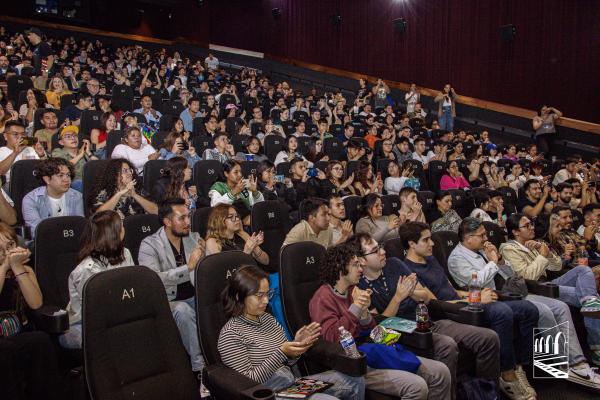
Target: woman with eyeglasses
[102,249]
[225,232]
[27,357]
[253,151]
[443,217]
[380,227]
[453,178]
[254,344]
[117,190]
[335,182]
[396,178]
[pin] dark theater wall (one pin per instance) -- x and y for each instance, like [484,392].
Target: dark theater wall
[555,57]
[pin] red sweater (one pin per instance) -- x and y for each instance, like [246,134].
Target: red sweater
[332,310]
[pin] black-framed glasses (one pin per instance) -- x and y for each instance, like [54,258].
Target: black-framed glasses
[270,293]
[375,250]
[529,225]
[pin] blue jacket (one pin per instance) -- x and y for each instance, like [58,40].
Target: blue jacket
[36,206]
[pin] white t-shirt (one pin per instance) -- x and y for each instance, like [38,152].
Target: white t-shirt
[137,157]
[59,206]
[27,154]
[423,158]
[212,64]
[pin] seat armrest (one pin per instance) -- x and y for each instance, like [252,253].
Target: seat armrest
[51,319]
[547,289]
[420,343]
[508,296]
[226,383]
[458,312]
[332,356]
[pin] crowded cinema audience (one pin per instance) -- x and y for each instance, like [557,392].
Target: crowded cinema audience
[114,132]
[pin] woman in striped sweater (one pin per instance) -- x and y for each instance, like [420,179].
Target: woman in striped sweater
[253,343]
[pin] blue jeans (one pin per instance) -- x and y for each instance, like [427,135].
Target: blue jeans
[184,314]
[576,286]
[501,317]
[446,120]
[554,312]
[344,387]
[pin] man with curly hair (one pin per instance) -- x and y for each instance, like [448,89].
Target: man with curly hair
[340,303]
[55,198]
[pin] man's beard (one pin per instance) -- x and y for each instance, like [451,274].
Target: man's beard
[180,233]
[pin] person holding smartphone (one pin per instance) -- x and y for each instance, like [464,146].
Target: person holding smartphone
[76,155]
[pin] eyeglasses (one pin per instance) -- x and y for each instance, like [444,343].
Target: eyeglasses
[233,217]
[69,137]
[529,225]
[375,250]
[270,293]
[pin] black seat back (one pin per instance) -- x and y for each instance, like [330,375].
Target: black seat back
[333,147]
[394,248]
[436,171]
[173,108]
[206,172]
[16,84]
[352,205]
[271,217]
[22,181]
[391,204]
[443,244]
[122,98]
[283,168]
[248,167]
[136,352]
[202,142]
[273,145]
[153,170]
[137,228]
[200,220]
[427,200]
[510,199]
[57,245]
[113,139]
[298,280]
[210,280]
[90,119]
[495,234]
[93,170]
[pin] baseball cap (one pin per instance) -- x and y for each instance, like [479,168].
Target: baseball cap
[34,30]
[69,129]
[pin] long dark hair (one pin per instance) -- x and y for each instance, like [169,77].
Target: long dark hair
[175,170]
[361,173]
[368,202]
[102,238]
[244,282]
[109,180]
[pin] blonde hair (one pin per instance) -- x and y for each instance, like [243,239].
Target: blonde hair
[216,227]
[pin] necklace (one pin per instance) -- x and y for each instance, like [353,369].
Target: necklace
[383,281]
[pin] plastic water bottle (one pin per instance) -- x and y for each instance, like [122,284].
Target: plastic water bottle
[474,293]
[348,343]
[422,317]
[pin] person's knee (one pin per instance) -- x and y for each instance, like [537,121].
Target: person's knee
[417,389]
[445,347]
[546,315]
[500,312]
[183,311]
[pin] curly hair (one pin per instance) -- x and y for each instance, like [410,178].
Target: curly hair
[109,180]
[336,262]
[51,166]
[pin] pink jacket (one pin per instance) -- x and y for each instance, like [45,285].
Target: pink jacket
[449,182]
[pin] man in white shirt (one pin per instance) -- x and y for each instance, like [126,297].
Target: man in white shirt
[419,153]
[14,151]
[211,62]
[134,150]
